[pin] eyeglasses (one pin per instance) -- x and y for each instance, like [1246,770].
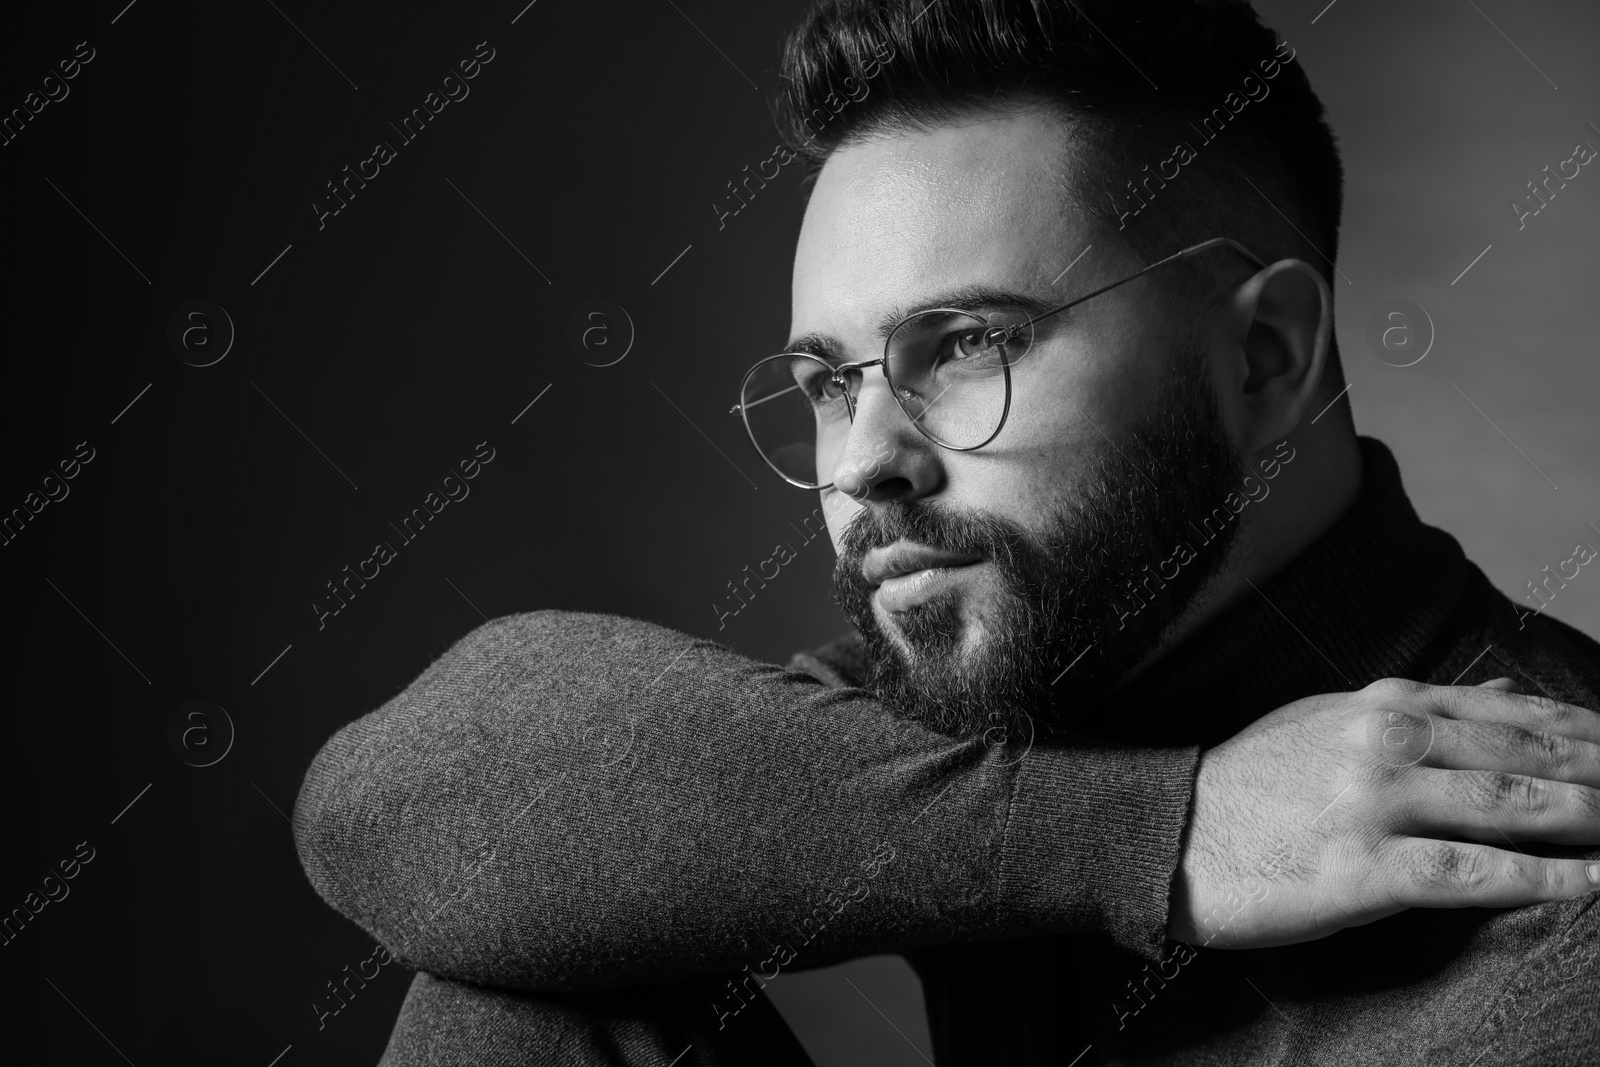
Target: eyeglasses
[948,369]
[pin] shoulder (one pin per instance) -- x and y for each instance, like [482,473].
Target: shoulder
[1545,656]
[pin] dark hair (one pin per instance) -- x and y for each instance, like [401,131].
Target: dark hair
[1133,79]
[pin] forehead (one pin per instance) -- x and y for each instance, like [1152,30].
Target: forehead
[908,214]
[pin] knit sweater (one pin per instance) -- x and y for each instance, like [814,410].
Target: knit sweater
[574,801]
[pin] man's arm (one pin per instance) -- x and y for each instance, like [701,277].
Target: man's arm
[757,818]
[568,801]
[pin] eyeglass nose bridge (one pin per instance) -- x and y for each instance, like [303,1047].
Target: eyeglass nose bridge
[837,377]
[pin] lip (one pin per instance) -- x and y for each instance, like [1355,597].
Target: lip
[903,558]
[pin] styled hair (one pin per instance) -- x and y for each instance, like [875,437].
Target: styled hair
[1189,119]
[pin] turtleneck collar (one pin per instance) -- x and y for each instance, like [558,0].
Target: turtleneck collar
[1372,598]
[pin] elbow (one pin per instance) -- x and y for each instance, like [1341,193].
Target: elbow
[357,829]
[351,816]
[331,832]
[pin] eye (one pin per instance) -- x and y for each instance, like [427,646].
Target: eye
[984,343]
[816,382]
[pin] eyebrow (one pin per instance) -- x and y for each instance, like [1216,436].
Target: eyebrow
[963,298]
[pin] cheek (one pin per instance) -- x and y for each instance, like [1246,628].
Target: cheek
[1086,387]
[1019,485]
[1052,442]
[1049,434]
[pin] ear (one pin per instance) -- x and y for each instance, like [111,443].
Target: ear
[1279,324]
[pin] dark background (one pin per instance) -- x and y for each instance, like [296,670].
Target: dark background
[380,350]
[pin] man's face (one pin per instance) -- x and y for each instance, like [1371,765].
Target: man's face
[1012,554]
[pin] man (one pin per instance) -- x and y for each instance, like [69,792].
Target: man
[1119,573]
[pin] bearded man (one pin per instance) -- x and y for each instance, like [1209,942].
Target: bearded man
[1131,602]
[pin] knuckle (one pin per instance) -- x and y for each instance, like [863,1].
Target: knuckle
[1547,751]
[1529,796]
[1547,708]
[1446,865]
[1394,688]
[1533,796]
[1497,790]
[1542,876]
[1556,752]
[1487,790]
[1586,801]
[1553,713]
[1547,875]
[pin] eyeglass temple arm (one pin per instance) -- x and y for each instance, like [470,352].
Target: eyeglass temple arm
[1203,246]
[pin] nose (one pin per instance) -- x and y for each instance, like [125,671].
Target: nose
[885,457]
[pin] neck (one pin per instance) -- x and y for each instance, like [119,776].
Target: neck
[1306,496]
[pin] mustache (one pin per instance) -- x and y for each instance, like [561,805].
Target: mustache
[939,526]
[925,523]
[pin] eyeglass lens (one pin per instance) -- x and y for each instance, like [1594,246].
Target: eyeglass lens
[949,372]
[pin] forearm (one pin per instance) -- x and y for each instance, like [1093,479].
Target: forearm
[464,826]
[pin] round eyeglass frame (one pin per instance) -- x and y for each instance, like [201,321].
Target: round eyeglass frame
[837,371]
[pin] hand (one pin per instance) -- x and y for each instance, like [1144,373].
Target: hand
[1338,810]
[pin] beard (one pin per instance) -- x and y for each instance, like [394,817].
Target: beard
[1077,610]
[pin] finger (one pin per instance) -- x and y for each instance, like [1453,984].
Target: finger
[1500,808]
[1483,704]
[1452,874]
[1506,685]
[1467,745]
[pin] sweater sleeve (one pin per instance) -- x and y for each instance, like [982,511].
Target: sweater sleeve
[568,801]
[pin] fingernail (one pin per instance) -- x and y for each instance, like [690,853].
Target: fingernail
[1594,873]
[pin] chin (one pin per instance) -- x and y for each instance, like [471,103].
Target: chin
[936,629]
[937,661]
